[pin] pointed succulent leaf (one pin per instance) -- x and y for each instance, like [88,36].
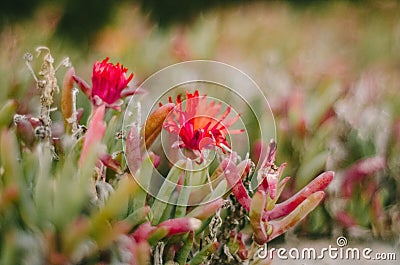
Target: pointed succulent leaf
[271,202]
[185,190]
[132,150]
[281,226]
[143,177]
[116,202]
[284,208]
[234,180]
[204,253]
[205,211]
[142,253]
[180,225]
[94,134]
[138,216]
[142,232]
[154,124]
[67,107]
[82,85]
[183,253]
[129,91]
[166,191]
[111,163]
[25,131]
[256,211]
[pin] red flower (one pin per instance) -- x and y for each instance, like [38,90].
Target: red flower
[109,84]
[199,124]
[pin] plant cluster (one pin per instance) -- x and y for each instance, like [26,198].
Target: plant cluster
[71,193]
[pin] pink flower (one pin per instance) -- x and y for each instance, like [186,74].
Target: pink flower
[109,84]
[199,123]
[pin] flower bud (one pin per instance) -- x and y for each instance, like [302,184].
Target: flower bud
[154,124]
[67,107]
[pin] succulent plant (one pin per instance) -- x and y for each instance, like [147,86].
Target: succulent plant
[69,197]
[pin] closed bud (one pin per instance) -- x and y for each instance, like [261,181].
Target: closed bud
[154,124]
[67,107]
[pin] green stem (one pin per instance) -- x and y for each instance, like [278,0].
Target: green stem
[165,192]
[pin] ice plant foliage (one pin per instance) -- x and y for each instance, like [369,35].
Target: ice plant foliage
[95,133]
[200,124]
[109,84]
[87,208]
[267,218]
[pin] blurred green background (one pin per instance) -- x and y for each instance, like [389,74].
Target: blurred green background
[330,70]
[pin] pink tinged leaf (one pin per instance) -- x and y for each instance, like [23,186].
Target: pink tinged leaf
[9,195]
[281,226]
[272,184]
[111,163]
[129,91]
[271,154]
[83,85]
[281,186]
[377,206]
[142,233]
[271,202]
[167,228]
[180,225]
[345,219]
[132,150]
[286,207]
[143,252]
[80,112]
[155,159]
[281,169]
[205,211]
[243,253]
[234,180]
[25,131]
[157,235]
[115,105]
[256,211]
[94,134]
[35,122]
[361,170]
[57,129]
[269,183]
[140,251]
[259,148]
